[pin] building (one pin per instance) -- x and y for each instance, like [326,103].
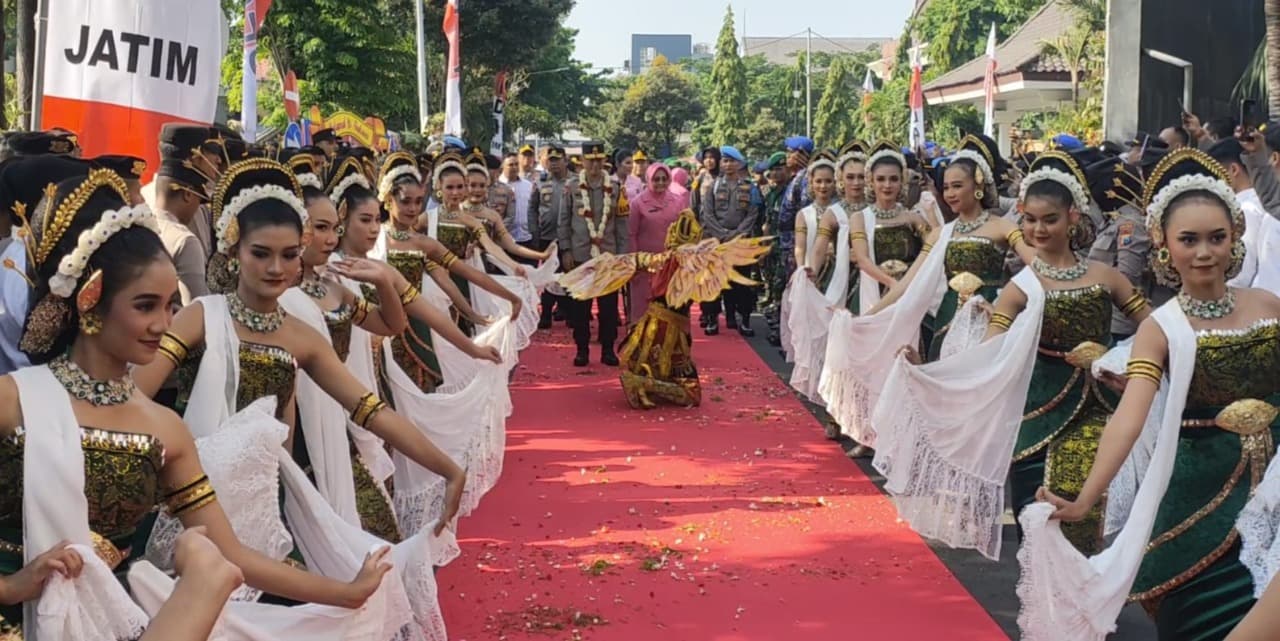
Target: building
[784,50]
[647,46]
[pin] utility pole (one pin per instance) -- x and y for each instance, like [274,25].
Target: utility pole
[423,104]
[808,83]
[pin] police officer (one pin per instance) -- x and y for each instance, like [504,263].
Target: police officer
[732,207]
[552,196]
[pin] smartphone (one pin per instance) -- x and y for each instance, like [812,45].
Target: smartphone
[1248,114]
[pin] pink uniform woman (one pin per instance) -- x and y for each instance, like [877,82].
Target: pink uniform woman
[652,211]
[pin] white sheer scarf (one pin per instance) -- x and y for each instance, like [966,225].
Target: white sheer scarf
[868,287]
[1065,595]
[1258,524]
[323,421]
[94,606]
[946,431]
[856,364]
[809,310]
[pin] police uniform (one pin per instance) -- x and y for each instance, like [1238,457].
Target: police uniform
[551,197]
[730,208]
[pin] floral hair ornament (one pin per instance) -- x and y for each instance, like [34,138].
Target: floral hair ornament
[72,266]
[406,166]
[228,231]
[885,150]
[446,162]
[309,179]
[1073,180]
[1192,171]
[340,189]
[982,174]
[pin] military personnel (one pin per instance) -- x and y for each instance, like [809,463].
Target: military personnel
[594,224]
[181,192]
[732,208]
[773,265]
[326,140]
[1123,241]
[552,197]
[795,197]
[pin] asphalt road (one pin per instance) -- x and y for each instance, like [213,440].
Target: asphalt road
[991,584]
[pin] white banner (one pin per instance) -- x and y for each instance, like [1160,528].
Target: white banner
[155,55]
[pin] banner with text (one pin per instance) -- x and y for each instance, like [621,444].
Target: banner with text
[116,70]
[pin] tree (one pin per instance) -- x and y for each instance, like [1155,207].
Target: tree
[1271,13]
[26,58]
[834,124]
[728,100]
[659,106]
[764,136]
[554,90]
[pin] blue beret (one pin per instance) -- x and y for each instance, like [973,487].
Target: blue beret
[732,152]
[1067,142]
[799,142]
[454,142]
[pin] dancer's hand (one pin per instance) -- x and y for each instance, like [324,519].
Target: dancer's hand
[1063,510]
[808,271]
[360,270]
[479,319]
[27,584]
[517,306]
[369,579]
[197,557]
[520,271]
[485,353]
[452,500]
[911,354]
[1113,381]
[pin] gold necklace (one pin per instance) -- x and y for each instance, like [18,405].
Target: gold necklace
[81,385]
[260,322]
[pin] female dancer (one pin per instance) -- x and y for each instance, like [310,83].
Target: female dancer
[652,213]
[478,180]
[1178,552]
[973,242]
[105,289]
[851,174]
[1051,408]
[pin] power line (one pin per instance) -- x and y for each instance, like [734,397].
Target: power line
[833,42]
[766,43]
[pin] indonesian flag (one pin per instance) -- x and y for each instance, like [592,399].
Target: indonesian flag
[868,89]
[453,89]
[255,12]
[989,85]
[291,104]
[916,133]
[116,70]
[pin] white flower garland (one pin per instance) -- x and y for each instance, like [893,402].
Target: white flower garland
[229,234]
[888,153]
[451,163]
[385,184]
[1078,195]
[310,180]
[341,188]
[595,231]
[1196,182]
[822,162]
[850,157]
[72,266]
[978,159]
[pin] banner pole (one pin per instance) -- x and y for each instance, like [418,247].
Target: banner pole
[37,81]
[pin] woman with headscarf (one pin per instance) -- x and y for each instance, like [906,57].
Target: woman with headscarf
[652,212]
[708,171]
[680,183]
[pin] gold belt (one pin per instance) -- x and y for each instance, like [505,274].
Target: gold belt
[1244,417]
[106,550]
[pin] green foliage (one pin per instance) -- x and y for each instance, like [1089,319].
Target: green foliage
[650,111]
[956,30]
[727,103]
[834,121]
[554,91]
[763,137]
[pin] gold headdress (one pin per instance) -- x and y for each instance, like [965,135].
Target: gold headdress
[243,184]
[684,230]
[1179,172]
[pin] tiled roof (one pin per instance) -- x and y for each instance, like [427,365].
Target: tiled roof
[785,50]
[1021,51]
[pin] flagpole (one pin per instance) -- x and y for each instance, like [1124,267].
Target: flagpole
[453,84]
[37,80]
[421,34]
[808,83]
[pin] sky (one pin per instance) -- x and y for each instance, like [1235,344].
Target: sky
[605,26]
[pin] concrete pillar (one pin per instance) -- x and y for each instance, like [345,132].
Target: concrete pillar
[1124,54]
[1004,132]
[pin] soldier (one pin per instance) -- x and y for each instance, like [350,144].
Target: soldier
[773,266]
[1123,241]
[794,198]
[731,208]
[552,197]
[595,224]
[327,141]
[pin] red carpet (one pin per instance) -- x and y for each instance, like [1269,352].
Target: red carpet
[735,521]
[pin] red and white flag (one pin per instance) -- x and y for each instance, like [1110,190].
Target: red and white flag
[291,104]
[989,85]
[453,88]
[868,89]
[116,70]
[255,13]
[916,133]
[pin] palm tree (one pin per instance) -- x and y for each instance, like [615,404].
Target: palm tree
[1271,13]
[1073,48]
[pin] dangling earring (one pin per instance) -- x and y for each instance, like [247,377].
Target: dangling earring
[90,324]
[1074,231]
[1162,255]
[233,265]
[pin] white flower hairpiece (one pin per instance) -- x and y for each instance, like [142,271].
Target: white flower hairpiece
[978,159]
[850,157]
[895,156]
[822,162]
[310,180]
[72,266]
[1194,182]
[228,231]
[384,185]
[1078,196]
[345,184]
[451,163]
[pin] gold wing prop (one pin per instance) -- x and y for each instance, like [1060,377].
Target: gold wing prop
[599,276]
[705,269]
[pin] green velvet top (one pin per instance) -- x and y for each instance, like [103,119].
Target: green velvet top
[414,350]
[458,238]
[897,242]
[977,255]
[340,322]
[265,370]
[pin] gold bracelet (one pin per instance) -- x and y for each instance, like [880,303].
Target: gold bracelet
[190,497]
[366,408]
[858,235]
[1142,368]
[1003,321]
[824,232]
[1014,237]
[432,265]
[926,248]
[409,294]
[1134,304]
[174,349]
[361,312]
[503,233]
[448,260]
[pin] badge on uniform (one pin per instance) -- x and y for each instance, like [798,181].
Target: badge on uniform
[1124,234]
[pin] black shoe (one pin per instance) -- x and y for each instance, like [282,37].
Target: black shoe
[746,331]
[831,430]
[607,357]
[861,451]
[582,358]
[712,328]
[559,315]
[544,322]
[730,322]
[775,338]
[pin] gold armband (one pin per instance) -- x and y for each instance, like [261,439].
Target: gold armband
[1003,321]
[174,349]
[1143,368]
[1134,304]
[824,232]
[361,312]
[1014,237]
[857,235]
[190,497]
[926,248]
[366,408]
[409,295]
[449,259]
[503,233]
[432,265]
